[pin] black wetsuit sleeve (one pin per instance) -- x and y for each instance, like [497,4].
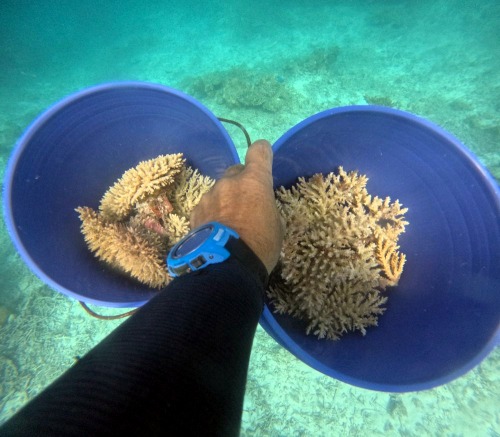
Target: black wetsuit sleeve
[177,367]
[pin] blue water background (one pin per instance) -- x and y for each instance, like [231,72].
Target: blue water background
[268,64]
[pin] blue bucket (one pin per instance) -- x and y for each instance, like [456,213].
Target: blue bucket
[78,148]
[443,317]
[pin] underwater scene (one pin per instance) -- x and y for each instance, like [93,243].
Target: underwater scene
[268,65]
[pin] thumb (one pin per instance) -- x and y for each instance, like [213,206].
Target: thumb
[260,156]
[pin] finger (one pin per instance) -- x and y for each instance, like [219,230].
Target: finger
[260,155]
[234,170]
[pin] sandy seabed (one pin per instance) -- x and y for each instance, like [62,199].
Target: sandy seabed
[269,66]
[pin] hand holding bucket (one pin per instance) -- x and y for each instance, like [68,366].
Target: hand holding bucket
[441,320]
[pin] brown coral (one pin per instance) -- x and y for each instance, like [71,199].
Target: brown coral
[339,253]
[139,183]
[143,215]
[119,246]
[390,260]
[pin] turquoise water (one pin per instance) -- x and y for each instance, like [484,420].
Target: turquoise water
[268,65]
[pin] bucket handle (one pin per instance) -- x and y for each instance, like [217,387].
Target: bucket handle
[247,137]
[129,313]
[101,317]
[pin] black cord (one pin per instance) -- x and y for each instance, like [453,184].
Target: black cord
[101,317]
[226,120]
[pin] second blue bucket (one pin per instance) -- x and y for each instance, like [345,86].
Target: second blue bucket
[443,318]
[74,152]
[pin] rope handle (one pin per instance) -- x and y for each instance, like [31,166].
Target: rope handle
[101,317]
[247,137]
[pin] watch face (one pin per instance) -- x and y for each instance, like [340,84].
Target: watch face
[192,241]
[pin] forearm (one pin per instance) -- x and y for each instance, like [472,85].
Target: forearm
[177,367]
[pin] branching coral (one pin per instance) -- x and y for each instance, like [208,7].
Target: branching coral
[138,183]
[390,260]
[143,215]
[340,252]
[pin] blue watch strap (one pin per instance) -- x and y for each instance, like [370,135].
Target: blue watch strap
[212,243]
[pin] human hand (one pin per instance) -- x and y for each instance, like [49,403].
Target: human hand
[243,199]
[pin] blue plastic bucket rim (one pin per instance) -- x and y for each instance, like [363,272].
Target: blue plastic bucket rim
[473,159]
[31,130]
[273,328]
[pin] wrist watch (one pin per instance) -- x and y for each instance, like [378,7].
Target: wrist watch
[212,243]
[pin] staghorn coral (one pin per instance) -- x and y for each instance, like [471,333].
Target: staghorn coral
[143,215]
[390,260]
[138,183]
[340,252]
[119,246]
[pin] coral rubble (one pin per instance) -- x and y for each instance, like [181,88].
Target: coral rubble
[340,253]
[143,215]
[239,88]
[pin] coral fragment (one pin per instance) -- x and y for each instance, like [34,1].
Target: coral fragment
[339,254]
[143,215]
